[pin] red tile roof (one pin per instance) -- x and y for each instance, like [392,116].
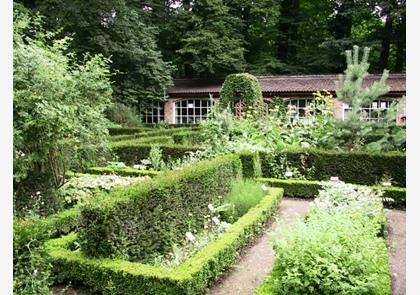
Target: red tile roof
[282,84]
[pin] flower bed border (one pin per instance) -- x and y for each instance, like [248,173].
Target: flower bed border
[191,277]
[309,189]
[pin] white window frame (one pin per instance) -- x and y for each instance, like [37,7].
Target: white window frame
[154,114]
[384,105]
[197,111]
[307,101]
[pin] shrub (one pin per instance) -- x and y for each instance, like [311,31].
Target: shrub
[131,152]
[113,276]
[336,250]
[58,107]
[330,254]
[121,114]
[189,138]
[251,164]
[244,194]
[393,197]
[31,270]
[140,222]
[358,167]
[121,171]
[242,86]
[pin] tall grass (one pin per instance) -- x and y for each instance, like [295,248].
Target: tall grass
[244,194]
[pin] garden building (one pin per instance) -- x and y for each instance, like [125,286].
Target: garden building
[188,101]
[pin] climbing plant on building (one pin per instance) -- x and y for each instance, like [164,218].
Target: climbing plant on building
[241,88]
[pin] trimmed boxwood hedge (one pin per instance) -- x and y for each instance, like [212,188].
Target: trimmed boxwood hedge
[131,152]
[149,128]
[152,132]
[309,189]
[141,221]
[113,276]
[358,167]
[121,171]
[189,137]
[251,164]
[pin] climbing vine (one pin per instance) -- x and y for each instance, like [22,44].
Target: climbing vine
[242,87]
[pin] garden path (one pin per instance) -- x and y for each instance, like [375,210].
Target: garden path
[396,240]
[257,260]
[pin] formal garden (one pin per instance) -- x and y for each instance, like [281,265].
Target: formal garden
[103,205]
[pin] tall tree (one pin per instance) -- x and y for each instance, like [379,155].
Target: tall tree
[113,28]
[214,45]
[288,30]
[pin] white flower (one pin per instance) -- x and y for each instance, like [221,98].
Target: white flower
[215,220]
[288,174]
[211,208]
[386,183]
[38,193]
[190,237]
[264,187]
[190,214]
[334,178]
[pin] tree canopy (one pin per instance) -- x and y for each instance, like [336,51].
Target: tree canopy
[151,42]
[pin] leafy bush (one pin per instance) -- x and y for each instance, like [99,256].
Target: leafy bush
[121,114]
[79,189]
[139,222]
[58,108]
[330,254]
[358,167]
[131,152]
[336,250]
[393,197]
[113,276]
[245,194]
[241,86]
[155,157]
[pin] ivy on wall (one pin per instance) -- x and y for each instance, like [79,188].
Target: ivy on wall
[241,87]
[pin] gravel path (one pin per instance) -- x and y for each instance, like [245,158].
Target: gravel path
[257,261]
[396,240]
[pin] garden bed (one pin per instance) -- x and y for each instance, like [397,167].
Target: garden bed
[119,276]
[393,197]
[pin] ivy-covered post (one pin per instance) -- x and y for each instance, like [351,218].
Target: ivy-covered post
[244,88]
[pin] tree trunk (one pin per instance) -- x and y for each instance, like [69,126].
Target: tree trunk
[400,54]
[288,31]
[386,43]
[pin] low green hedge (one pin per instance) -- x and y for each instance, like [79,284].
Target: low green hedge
[359,167]
[113,276]
[152,133]
[251,165]
[393,197]
[150,128]
[121,171]
[131,152]
[125,130]
[141,221]
[189,137]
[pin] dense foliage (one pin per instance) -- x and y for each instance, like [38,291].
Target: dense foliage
[336,250]
[351,89]
[241,88]
[114,276]
[58,110]
[140,222]
[213,38]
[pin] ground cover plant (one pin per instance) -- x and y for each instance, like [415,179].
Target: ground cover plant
[339,248]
